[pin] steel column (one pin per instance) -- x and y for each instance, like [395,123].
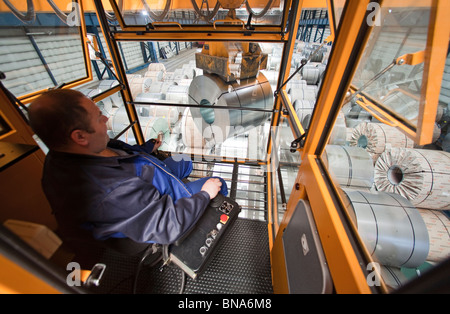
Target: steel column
[120,71]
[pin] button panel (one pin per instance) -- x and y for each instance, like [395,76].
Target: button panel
[193,252]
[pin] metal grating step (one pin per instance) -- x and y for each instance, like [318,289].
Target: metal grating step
[246,185]
[240,266]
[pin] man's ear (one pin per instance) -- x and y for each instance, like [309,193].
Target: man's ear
[79,137]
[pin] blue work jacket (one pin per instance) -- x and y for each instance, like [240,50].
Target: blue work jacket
[134,196]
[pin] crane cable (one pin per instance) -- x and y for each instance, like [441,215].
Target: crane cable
[28,17]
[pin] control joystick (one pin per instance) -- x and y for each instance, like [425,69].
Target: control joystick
[217,201]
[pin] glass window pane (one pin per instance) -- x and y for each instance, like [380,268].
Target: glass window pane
[398,31]
[338,6]
[41,48]
[396,194]
[174,80]
[396,191]
[286,167]
[185,98]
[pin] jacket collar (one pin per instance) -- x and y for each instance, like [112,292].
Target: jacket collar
[90,159]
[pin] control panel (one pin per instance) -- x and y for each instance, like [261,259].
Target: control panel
[197,249]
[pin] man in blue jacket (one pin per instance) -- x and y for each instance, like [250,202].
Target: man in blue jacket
[109,187]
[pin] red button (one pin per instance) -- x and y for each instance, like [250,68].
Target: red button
[224,218]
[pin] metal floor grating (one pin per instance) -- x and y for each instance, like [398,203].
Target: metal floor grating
[246,184]
[240,266]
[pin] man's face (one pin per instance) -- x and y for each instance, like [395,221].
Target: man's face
[99,138]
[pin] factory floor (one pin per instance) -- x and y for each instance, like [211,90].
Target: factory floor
[241,265]
[176,62]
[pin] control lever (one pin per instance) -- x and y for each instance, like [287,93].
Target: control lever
[95,275]
[217,201]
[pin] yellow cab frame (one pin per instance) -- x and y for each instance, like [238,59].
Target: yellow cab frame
[346,257]
[28,98]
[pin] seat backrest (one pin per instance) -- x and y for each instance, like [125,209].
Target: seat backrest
[84,244]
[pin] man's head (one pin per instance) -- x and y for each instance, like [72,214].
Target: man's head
[66,120]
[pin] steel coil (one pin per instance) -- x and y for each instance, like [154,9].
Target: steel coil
[422,176]
[216,125]
[391,228]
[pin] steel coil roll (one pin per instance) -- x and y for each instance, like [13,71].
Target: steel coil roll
[304,110]
[155,76]
[393,277]
[160,87]
[178,94]
[170,113]
[303,92]
[152,126]
[422,176]
[338,135]
[190,134]
[216,125]
[374,137]
[156,67]
[438,226]
[139,85]
[403,104]
[391,228]
[311,74]
[349,166]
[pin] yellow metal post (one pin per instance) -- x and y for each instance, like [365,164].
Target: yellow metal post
[120,71]
[435,57]
[343,262]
